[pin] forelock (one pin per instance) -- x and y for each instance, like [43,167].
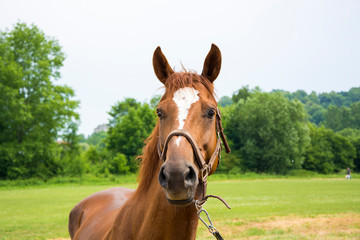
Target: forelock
[186,79]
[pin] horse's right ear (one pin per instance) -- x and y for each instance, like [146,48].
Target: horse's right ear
[161,66]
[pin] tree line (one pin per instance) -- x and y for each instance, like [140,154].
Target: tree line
[271,132]
[278,131]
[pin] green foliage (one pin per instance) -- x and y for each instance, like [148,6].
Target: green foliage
[230,163]
[98,160]
[328,151]
[114,152]
[131,124]
[225,101]
[92,155]
[268,132]
[121,109]
[335,116]
[73,165]
[35,112]
[316,112]
[353,135]
[118,165]
[317,106]
[29,159]
[350,133]
[154,101]
[338,118]
[81,138]
[97,139]
[244,93]
[356,144]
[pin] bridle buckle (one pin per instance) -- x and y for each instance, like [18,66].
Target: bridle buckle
[204,173]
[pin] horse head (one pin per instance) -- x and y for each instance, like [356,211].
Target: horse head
[188,132]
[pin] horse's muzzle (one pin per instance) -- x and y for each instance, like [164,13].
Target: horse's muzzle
[179,181]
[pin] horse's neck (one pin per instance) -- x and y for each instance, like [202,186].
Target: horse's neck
[170,222]
[148,215]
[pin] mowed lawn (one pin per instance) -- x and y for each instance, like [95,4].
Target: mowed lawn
[261,209]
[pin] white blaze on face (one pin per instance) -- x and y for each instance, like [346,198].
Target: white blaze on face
[183,98]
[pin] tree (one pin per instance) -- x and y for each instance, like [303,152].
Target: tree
[317,105]
[313,97]
[97,139]
[35,112]
[353,95]
[356,144]
[244,93]
[328,152]
[355,115]
[118,164]
[269,132]
[131,124]
[121,109]
[353,135]
[338,118]
[225,101]
[350,133]
[316,112]
[335,117]
[301,95]
[154,101]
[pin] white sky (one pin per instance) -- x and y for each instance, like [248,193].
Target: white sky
[290,45]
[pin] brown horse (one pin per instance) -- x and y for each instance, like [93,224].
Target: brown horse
[181,152]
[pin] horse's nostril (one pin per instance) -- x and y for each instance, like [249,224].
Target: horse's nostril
[191,175]
[162,177]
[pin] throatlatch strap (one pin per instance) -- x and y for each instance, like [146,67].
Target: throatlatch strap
[221,131]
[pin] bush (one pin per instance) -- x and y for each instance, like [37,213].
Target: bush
[118,164]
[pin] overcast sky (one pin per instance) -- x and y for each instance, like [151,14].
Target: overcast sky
[290,45]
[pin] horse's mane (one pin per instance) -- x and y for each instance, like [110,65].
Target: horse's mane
[150,162]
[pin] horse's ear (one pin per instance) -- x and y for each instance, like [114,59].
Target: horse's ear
[212,64]
[161,66]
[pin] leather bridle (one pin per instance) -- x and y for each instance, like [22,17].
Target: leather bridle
[204,166]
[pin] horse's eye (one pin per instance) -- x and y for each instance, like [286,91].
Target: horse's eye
[158,112]
[211,113]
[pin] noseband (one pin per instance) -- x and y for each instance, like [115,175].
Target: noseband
[204,166]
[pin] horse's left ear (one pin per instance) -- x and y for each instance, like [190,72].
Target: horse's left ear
[212,64]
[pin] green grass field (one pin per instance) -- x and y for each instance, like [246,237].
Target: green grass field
[261,209]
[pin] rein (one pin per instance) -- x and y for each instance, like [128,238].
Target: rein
[205,166]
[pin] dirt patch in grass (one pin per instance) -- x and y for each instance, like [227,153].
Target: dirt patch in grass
[339,226]
[322,227]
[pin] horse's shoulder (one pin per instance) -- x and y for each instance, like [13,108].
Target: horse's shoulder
[112,196]
[97,205]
